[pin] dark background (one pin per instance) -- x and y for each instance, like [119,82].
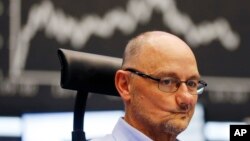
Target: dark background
[27,89]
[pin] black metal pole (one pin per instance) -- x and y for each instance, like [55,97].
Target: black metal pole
[80,103]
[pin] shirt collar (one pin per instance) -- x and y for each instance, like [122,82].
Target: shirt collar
[125,132]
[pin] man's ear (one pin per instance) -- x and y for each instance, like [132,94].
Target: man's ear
[122,84]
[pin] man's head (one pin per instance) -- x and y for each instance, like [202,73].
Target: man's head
[150,107]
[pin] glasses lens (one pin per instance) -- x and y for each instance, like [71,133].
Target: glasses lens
[171,85]
[200,90]
[201,87]
[192,84]
[168,84]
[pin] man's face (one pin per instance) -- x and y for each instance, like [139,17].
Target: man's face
[157,110]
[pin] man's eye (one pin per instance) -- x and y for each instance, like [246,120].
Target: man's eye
[168,81]
[192,83]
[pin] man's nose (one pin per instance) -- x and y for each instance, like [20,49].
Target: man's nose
[184,97]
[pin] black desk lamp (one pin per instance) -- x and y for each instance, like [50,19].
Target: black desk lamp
[85,72]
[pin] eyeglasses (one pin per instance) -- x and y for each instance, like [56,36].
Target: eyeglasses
[171,84]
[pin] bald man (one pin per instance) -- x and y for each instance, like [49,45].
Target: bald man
[159,83]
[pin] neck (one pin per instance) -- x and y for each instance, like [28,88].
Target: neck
[152,132]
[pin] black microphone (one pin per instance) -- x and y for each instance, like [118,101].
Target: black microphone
[88,72]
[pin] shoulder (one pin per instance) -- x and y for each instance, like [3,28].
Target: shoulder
[105,138]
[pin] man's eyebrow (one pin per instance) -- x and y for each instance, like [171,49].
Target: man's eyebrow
[172,74]
[194,77]
[165,74]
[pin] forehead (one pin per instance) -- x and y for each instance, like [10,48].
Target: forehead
[168,55]
[181,73]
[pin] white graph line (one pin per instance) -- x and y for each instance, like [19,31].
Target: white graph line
[65,28]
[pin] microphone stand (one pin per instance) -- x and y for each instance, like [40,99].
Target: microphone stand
[80,104]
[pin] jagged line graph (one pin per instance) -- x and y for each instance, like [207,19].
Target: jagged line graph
[65,28]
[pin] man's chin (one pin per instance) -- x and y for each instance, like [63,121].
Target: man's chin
[177,126]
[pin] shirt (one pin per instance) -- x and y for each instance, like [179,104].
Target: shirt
[124,132]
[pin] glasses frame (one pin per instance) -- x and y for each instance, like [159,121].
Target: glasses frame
[201,84]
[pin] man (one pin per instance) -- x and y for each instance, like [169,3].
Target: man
[159,83]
